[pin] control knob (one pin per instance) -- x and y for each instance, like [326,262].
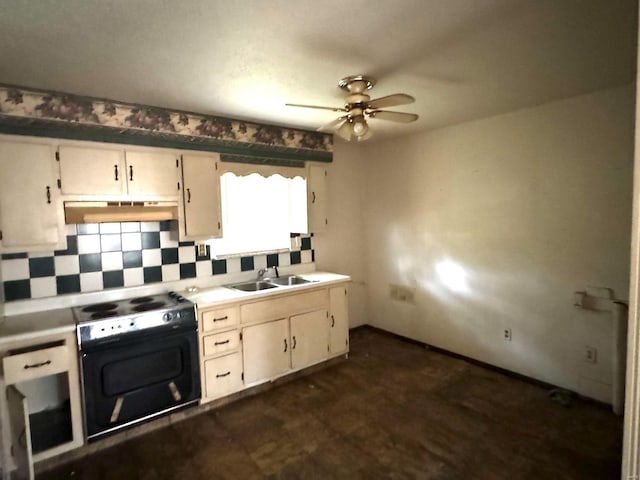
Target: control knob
[167,317]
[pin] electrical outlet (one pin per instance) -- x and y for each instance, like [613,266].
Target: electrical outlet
[506,334]
[590,354]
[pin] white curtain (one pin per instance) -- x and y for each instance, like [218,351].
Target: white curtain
[259,213]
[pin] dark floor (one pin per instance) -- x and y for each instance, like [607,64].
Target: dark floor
[393,410]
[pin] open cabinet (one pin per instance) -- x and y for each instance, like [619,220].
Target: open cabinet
[42,413]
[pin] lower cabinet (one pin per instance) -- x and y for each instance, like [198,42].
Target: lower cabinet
[266,349]
[220,351]
[309,338]
[42,414]
[247,343]
[339,317]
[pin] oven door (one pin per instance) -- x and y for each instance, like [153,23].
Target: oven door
[130,381]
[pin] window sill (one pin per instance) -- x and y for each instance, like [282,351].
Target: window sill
[224,256]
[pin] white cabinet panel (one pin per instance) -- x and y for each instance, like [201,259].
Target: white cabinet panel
[309,338]
[223,375]
[339,316]
[220,342]
[201,197]
[152,173]
[266,350]
[20,438]
[92,170]
[317,205]
[220,318]
[30,209]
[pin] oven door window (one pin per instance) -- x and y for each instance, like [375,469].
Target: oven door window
[142,371]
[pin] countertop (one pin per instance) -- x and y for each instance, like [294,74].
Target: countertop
[27,326]
[206,297]
[19,328]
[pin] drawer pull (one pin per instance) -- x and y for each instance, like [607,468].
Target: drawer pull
[37,365]
[226,317]
[222,343]
[223,374]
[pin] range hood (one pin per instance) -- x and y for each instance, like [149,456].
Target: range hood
[108,212]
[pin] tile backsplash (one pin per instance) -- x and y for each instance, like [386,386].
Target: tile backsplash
[110,255]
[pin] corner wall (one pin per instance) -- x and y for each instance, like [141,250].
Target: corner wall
[496,223]
[341,248]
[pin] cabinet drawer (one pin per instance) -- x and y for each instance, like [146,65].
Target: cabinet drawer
[223,375]
[220,318]
[284,306]
[35,364]
[220,342]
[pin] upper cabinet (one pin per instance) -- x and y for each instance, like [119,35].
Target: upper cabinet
[113,171]
[201,197]
[29,190]
[91,171]
[317,202]
[152,173]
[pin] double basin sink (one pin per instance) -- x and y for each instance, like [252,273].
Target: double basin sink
[284,281]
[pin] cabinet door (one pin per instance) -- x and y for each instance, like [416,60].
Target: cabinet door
[20,434]
[201,196]
[91,171]
[265,350]
[339,317]
[30,210]
[317,198]
[152,174]
[309,338]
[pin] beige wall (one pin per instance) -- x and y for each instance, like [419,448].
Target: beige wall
[341,248]
[496,223]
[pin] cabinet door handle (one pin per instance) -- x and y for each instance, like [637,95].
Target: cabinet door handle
[313,197]
[293,347]
[221,318]
[37,365]
[48,194]
[188,195]
[221,343]
[131,172]
[333,321]
[219,375]
[115,171]
[285,344]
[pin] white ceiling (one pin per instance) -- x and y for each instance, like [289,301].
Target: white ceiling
[460,59]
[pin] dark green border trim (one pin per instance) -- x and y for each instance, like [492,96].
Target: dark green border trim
[95,133]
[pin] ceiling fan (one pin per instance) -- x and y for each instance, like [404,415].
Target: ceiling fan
[358,105]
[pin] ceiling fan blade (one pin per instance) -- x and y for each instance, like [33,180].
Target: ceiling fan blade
[345,130]
[333,124]
[391,100]
[393,116]
[317,107]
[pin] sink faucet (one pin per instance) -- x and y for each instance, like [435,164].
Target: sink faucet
[263,271]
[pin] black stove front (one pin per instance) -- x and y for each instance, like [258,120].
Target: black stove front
[138,364]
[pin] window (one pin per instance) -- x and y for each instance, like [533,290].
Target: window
[259,213]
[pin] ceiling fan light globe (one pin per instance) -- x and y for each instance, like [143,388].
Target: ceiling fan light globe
[360,127]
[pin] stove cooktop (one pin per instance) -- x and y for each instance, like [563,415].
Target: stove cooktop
[130,306]
[116,320]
